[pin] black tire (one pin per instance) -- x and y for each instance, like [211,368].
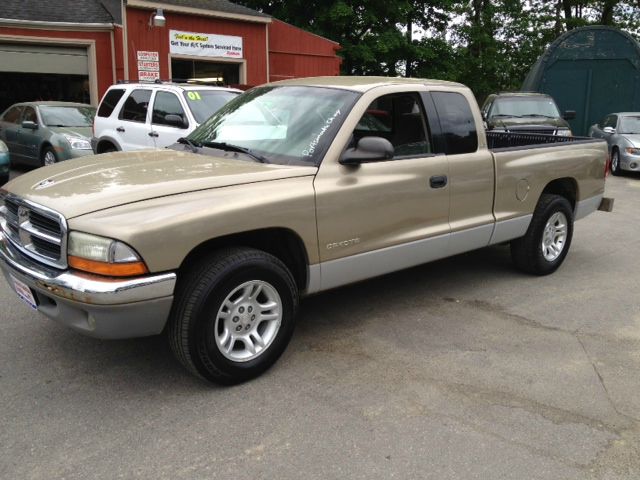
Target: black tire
[615,162]
[527,252]
[198,303]
[48,156]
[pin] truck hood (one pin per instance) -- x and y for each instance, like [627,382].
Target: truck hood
[84,185]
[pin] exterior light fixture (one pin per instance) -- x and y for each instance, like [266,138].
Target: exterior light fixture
[157,19]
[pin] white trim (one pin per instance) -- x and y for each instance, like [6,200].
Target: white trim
[313,284]
[343,271]
[39,24]
[197,11]
[506,230]
[587,206]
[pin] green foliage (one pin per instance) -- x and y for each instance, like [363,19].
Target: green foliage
[489,45]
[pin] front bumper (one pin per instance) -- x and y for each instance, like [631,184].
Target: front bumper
[95,306]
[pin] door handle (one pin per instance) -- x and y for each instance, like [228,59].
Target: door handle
[438,181]
[153,134]
[120,129]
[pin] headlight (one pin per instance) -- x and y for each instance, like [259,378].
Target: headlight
[3,147]
[564,132]
[632,151]
[77,143]
[104,256]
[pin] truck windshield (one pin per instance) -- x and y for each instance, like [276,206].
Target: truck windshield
[524,107]
[629,125]
[280,124]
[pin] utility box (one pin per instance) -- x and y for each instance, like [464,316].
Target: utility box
[592,70]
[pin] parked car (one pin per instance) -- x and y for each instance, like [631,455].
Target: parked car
[622,133]
[43,133]
[137,116]
[525,112]
[294,188]
[4,163]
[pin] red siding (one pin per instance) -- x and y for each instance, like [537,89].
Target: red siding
[142,37]
[296,53]
[102,42]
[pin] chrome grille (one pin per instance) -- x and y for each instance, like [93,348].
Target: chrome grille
[37,231]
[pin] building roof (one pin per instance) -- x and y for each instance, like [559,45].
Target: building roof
[216,5]
[66,11]
[106,11]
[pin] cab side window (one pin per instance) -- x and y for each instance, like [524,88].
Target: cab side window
[165,104]
[456,120]
[610,121]
[13,115]
[135,107]
[400,119]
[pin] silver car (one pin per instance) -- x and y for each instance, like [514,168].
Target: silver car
[622,133]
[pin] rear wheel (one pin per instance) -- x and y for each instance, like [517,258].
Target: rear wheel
[615,162]
[233,315]
[48,156]
[546,244]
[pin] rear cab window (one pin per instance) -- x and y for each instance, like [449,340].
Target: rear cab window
[135,106]
[109,102]
[458,126]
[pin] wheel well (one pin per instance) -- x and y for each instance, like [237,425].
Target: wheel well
[565,187]
[43,146]
[282,243]
[103,144]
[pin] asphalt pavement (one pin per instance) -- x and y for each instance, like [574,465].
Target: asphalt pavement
[459,369]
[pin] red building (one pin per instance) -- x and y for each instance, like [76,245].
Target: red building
[75,49]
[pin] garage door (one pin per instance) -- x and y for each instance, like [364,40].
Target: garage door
[29,58]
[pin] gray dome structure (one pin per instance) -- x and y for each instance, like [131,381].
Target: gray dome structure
[592,70]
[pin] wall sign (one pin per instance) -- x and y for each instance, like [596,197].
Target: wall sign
[204,44]
[148,66]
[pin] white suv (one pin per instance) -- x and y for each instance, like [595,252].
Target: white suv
[134,116]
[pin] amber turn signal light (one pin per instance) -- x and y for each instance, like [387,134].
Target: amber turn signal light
[127,269]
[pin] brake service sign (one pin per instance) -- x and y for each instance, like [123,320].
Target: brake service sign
[204,44]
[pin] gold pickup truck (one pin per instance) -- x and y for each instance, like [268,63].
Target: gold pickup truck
[292,188]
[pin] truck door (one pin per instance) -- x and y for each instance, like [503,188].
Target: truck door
[133,127]
[471,170]
[382,216]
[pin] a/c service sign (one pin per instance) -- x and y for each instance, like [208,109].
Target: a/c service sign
[205,44]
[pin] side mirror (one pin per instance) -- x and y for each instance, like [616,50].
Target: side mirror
[569,114]
[368,149]
[175,120]
[30,125]
[609,130]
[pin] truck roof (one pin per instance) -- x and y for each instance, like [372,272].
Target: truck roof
[362,84]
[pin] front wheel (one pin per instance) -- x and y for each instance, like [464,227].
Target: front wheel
[615,162]
[48,156]
[546,244]
[233,315]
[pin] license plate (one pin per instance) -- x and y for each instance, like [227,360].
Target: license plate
[24,292]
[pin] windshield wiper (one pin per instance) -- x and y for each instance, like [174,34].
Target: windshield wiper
[194,146]
[538,115]
[504,115]
[227,147]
